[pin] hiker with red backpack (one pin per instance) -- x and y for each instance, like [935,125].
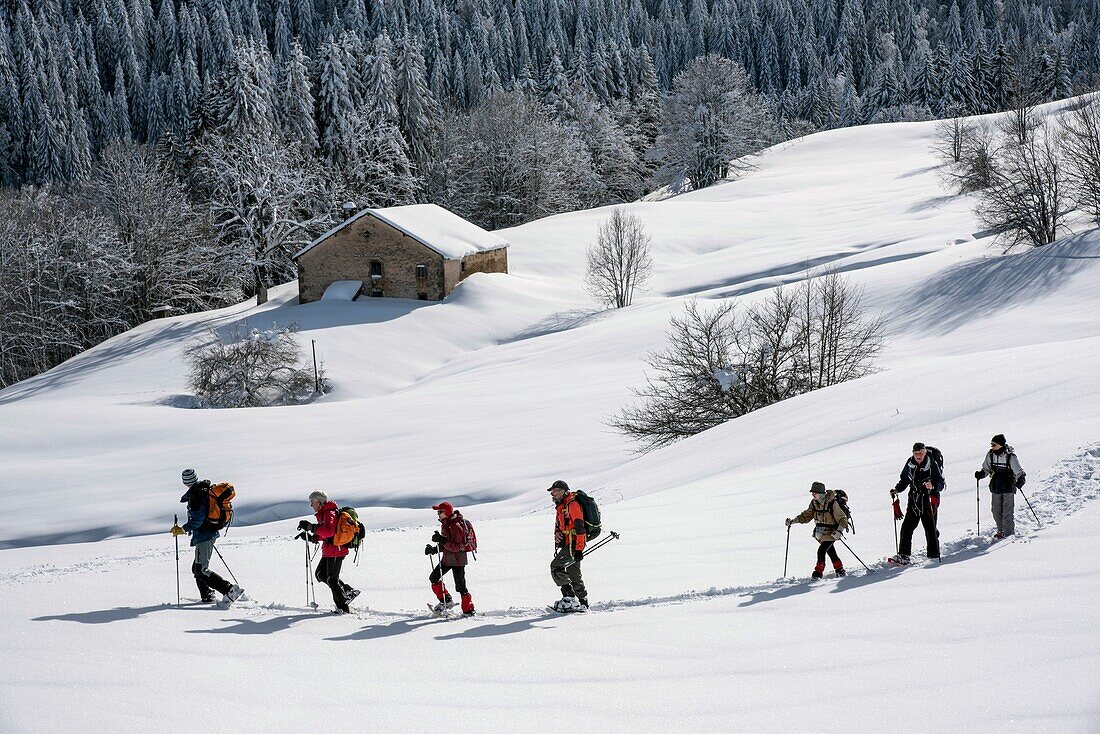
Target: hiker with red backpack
[209,509]
[327,531]
[570,536]
[453,541]
[830,520]
[922,475]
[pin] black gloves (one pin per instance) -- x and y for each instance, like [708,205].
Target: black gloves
[306,525]
[438,537]
[980,474]
[430,550]
[307,537]
[1020,481]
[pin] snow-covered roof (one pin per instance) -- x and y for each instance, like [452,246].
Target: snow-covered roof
[429,224]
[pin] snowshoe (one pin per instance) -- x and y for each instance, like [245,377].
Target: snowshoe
[340,612]
[350,594]
[838,572]
[898,560]
[816,575]
[568,605]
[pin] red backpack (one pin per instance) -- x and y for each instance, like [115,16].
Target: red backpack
[469,541]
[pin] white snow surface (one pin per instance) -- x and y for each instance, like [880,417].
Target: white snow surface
[433,226]
[342,290]
[485,398]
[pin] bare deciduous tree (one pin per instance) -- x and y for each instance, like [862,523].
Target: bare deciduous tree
[241,369]
[1080,143]
[1026,201]
[950,138]
[619,263]
[722,364]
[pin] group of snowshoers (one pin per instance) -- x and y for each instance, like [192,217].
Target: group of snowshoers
[209,509]
[922,477]
[337,529]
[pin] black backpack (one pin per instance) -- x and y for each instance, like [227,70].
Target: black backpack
[937,456]
[591,513]
[841,498]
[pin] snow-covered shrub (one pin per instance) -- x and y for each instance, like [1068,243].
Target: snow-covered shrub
[619,262]
[725,363]
[246,369]
[713,117]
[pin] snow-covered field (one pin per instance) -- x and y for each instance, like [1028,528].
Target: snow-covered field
[486,398]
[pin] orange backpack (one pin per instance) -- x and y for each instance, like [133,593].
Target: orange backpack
[349,531]
[219,508]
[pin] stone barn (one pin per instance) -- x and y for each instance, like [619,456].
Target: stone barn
[417,251]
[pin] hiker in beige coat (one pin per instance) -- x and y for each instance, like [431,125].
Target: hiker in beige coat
[830,521]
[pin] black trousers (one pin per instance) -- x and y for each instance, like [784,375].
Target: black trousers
[827,547]
[920,512]
[328,572]
[458,572]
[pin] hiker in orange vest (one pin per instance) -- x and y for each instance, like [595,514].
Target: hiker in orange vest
[332,555]
[570,535]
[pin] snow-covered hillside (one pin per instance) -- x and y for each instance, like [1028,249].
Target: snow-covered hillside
[486,398]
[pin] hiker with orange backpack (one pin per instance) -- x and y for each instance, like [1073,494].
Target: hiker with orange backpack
[454,539]
[326,531]
[209,509]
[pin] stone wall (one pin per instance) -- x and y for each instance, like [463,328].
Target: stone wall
[348,254]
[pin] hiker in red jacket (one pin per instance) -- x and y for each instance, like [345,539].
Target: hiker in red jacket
[332,555]
[451,541]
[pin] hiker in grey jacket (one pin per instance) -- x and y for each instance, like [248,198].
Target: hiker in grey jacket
[1005,477]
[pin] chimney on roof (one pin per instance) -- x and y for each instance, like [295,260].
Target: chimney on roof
[349,209]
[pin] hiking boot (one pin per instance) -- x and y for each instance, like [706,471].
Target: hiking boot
[444,606]
[816,575]
[351,594]
[341,611]
[838,572]
[208,599]
[899,560]
[469,612]
[998,536]
[235,592]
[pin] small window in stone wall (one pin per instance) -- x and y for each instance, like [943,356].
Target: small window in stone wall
[421,272]
[464,266]
[422,296]
[376,268]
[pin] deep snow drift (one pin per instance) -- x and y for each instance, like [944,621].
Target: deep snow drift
[486,398]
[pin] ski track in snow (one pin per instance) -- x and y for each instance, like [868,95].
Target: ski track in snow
[1069,486]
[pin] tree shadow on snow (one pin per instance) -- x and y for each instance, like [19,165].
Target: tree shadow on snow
[950,299]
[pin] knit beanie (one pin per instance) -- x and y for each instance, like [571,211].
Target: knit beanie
[189,477]
[999,439]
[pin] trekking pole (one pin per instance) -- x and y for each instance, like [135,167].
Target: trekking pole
[854,553]
[311,588]
[175,522]
[227,568]
[788,550]
[1030,507]
[593,549]
[978,502]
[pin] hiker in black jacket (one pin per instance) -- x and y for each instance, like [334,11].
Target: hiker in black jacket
[924,480]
